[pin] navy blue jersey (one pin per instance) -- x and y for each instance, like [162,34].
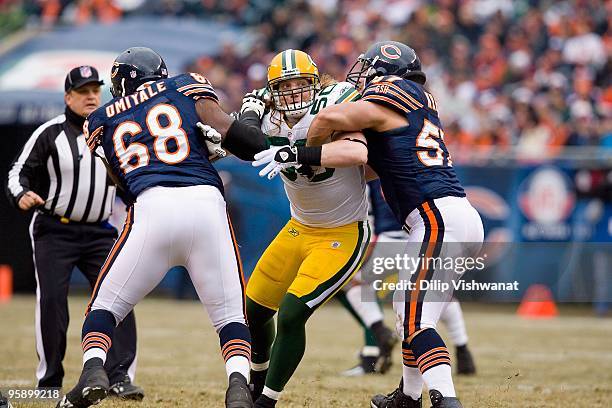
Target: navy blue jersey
[150,138]
[412,161]
[383,218]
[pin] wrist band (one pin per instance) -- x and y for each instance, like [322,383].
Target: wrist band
[309,155]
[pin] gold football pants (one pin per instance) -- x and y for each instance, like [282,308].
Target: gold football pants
[311,263]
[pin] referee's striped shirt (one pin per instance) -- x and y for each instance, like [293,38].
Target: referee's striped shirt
[56,164]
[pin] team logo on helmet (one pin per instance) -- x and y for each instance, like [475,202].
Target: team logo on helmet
[115,69]
[133,74]
[85,71]
[391,51]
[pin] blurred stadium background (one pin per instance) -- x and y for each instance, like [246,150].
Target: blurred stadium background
[524,89]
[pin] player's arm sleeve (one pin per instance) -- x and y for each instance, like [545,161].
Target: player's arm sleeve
[243,138]
[343,117]
[24,170]
[388,93]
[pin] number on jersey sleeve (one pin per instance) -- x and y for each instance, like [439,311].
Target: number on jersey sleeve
[195,86]
[384,91]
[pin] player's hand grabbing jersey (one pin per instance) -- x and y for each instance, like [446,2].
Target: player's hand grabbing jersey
[413,162]
[319,196]
[150,138]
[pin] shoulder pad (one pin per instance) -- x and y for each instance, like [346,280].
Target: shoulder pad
[393,92]
[341,92]
[194,86]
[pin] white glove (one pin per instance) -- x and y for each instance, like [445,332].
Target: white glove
[255,101]
[276,159]
[212,138]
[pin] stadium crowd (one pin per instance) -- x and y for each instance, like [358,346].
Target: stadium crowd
[528,73]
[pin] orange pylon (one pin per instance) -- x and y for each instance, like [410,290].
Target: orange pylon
[538,303]
[6,283]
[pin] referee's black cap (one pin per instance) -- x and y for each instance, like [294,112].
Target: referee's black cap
[79,76]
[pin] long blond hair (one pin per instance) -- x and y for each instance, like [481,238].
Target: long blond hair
[327,80]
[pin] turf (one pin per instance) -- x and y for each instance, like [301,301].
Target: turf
[563,362]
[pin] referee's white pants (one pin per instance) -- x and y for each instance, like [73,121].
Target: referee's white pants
[167,227]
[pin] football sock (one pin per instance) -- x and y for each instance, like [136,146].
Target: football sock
[369,338]
[98,329]
[380,332]
[235,342]
[290,343]
[452,317]
[261,325]
[275,395]
[433,361]
[368,311]
[413,380]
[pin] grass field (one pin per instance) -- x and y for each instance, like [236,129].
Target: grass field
[564,362]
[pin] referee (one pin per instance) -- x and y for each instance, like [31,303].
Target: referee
[56,174]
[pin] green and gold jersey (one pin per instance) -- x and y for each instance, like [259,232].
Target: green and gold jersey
[319,196]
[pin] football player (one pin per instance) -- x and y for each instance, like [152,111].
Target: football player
[387,242]
[359,298]
[405,147]
[149,137]
[324,242]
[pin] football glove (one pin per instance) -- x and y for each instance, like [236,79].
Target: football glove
[276,159]
[212,138]
[255,101]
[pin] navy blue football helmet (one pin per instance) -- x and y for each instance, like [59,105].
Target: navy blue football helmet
[133,67]
[386,58]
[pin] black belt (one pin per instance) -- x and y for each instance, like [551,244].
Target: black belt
[65,220]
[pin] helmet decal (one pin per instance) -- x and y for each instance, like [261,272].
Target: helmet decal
[115,69]
[391,51]
[386,58]
[134,67]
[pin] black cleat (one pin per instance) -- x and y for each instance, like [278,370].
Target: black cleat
[397,399]
[258,381]
[386,339]
[238,394]
[265,402]
[126,390]
[367,363]
[465,362]
[4,402]
[438,401]
[91,388]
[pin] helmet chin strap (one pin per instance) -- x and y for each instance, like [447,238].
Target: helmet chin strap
[297,114]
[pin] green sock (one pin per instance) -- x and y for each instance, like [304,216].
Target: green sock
[288,349]
[369,338]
